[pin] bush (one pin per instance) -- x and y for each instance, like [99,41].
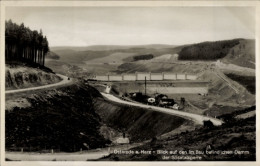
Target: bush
[143,57]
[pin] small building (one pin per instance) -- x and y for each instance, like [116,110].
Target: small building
[122,140]
[108,88]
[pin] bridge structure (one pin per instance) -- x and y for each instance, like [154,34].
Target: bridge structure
[141,76]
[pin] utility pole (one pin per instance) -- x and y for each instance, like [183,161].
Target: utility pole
[145,85]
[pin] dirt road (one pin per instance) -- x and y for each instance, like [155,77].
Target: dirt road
[246,115]
[64,81]
[190,116]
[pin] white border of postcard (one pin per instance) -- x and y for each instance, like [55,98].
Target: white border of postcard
[124,3]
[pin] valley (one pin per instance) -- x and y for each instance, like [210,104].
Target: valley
[79,109]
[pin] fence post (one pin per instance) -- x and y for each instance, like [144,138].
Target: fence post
[22,150]
[52,151]
[162,75]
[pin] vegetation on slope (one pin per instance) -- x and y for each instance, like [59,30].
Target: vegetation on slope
[138,123]
[70,118]
[62,119]
[247,81]
[234,134]
[23,76]
[80,56]
[242,54]
[143,57]
[207,50]
[52,55]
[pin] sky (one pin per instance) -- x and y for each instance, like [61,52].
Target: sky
[83,26]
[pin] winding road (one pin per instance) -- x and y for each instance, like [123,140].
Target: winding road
[64,81]
[190,116]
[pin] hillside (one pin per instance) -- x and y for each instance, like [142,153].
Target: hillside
[139,124]
[52,55]
[54,119]
[117,59]
[83,54]
[240,52]
[237,56]
[101,59]
[23,76]
[222,97]
[207,50]
[236,136]
[78,113]
[110,47]
[164,64]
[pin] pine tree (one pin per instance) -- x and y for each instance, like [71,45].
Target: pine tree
[23,44]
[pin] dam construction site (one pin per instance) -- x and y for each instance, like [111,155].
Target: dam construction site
[194,102]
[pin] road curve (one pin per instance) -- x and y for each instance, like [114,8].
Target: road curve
[190,116]
[64,81]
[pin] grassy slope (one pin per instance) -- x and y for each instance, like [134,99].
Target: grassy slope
[247,81]
[22,76]
[222,99]
[52,55]
[79,55]
[242,54]
[207,50]
[138,123]
[176,67]
[117,57]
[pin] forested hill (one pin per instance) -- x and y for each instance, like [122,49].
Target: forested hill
[208,50]
[24,45]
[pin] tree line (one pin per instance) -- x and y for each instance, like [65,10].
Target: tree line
[143,57]
[207,50]
[23,44]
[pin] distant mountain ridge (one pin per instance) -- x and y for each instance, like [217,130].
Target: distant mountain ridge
[109,47]
[115,58]
[52,55]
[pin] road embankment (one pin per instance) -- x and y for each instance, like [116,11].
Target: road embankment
[190,116]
